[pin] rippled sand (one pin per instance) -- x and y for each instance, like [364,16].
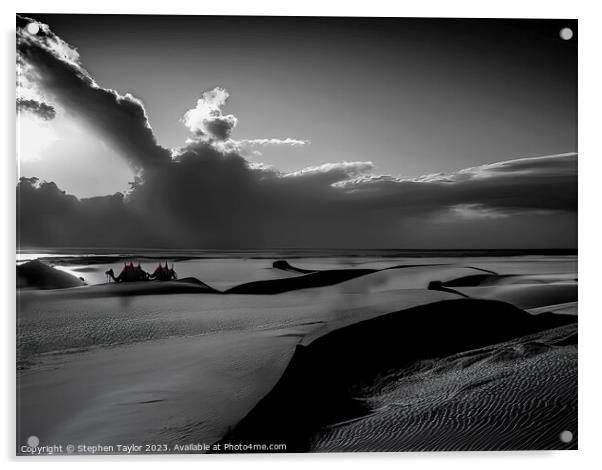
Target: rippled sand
[517,395]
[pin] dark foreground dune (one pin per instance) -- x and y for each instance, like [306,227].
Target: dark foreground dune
[331,382]
[38,275]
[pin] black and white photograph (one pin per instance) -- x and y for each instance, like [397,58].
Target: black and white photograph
[295,234]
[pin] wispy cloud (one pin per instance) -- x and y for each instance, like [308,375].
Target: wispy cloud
[287,141]
[337,172]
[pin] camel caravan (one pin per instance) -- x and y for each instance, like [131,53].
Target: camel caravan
[131,273]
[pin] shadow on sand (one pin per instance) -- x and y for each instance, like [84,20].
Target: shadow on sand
[326,375]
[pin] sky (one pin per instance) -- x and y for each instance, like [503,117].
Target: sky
[407,133]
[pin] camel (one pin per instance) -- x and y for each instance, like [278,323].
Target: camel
[129,273]
[164,273]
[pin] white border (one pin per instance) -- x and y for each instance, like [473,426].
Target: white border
[590,106]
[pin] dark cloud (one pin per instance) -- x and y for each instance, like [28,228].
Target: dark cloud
[539,183]
[53,65]
[206,198]
[47,216]
[42,110]
[220,127]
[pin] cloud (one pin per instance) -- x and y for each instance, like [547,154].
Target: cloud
[205,194]
[539,166]
[287,141]
[42,110]
[206,198]
[477,211]
[54,67]
[546,183]
[47,216]
[333,172]
[208,123]
[206,119]
[50,68]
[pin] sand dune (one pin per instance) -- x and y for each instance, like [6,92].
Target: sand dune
[38,275]
[328,371]
[315,279]
[189,285]
[408,276]
[523,290]
[450,278]
[509,279]
[285,266]
[404,277]
[526,295]
[517,395]
[567,308]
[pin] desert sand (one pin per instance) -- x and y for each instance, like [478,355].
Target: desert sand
[354,354]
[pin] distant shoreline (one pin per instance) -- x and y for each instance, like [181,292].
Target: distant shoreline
[293,253]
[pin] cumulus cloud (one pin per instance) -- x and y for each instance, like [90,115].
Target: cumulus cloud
[207,120]
[206,194]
